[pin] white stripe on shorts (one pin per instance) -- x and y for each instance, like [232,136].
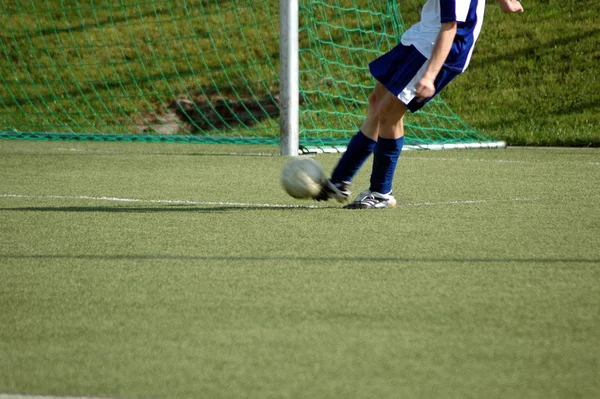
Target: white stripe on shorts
[408,94]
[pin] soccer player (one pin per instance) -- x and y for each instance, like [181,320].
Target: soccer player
[430,55]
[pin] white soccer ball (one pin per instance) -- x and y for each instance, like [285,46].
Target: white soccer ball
[302,177]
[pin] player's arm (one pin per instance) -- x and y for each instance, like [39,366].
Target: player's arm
[510,6]
[425,87]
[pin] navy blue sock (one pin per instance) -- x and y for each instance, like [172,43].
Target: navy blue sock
[385,159]
[358,150]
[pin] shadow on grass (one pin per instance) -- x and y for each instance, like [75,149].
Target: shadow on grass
[354,259]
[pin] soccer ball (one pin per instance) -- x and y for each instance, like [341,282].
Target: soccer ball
[302,177]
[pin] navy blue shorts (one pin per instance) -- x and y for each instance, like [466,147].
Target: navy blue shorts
[401,68]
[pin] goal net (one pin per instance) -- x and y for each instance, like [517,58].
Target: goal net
[196,71]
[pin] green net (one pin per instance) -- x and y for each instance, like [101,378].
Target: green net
[195,71]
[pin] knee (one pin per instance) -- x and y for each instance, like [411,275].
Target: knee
[378,94]
[374,99]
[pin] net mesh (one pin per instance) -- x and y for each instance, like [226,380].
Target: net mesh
[195,71]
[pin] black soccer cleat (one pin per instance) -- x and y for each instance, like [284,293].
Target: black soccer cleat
[337,191]
[372,200]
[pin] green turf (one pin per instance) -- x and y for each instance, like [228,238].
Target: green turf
[482,284]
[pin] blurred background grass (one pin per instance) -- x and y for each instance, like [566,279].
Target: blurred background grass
[533,79]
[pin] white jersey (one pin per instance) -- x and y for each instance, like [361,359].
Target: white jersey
[469,17]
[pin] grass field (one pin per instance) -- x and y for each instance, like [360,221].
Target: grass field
[182,271]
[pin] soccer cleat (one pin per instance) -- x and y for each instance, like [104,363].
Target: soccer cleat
[372,200]
[337,191]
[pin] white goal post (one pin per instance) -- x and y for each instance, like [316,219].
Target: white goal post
[289,77]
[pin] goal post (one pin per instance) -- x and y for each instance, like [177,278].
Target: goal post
[292,73]
[289,78]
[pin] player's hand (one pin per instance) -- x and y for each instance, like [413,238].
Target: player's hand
[510,6]
[425,88]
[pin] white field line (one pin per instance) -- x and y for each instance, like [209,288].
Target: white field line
[458,202]
[491,160]
[245,204]
[25,396]
[465,160]
[158,201]
[466,202]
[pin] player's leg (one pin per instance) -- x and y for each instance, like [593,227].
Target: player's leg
[389,145]
[396,72]
[384,115]
[389,117]
[370,125]
[400,99]
[391,113]
[359,148]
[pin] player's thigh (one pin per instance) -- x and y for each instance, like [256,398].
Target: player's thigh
[383,102]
